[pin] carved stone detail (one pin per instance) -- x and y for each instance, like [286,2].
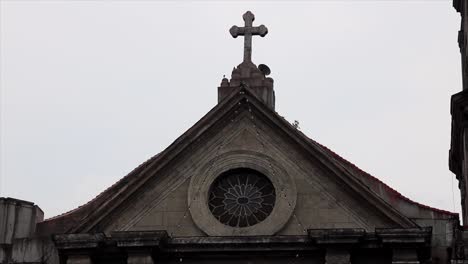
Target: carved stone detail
[285,201]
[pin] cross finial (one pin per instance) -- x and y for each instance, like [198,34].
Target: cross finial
[248,31]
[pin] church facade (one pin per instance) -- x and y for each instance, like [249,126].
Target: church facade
[242,185]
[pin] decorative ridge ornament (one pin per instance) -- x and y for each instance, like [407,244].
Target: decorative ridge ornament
[248,31]
[247,72]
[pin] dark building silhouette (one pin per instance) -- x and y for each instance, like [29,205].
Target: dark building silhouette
[243,185]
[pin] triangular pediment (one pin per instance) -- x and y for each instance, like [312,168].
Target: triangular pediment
[320,191]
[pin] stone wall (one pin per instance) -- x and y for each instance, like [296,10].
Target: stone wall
[29,250]
[321,202]
[443,235]
[18,221]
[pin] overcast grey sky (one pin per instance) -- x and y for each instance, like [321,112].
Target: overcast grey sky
[90,89]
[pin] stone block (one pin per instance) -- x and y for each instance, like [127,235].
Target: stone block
[174,218]
[308,201]
[346,225]
[337,256]
[333,216]
[25,250]
[3,254]
[29,250]
[154,218]
[18,219]
[147,228]
[405,256]
[303,186]
[139,258]
[80,259]
[326,203]
[176,202]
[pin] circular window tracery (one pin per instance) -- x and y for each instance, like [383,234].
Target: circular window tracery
[241,197]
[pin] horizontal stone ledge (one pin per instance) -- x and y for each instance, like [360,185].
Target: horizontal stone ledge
[239,240]
[414,236]
[316,239]
[130,239]
[337,236]
[78,241]
[120,239]
[404,235]
[253,243]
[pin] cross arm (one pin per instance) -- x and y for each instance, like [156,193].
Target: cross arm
[242,31]
[260,30]
[237,31]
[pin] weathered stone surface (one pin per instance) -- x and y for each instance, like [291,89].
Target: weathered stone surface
[405,256]
[34,250]
[170,214]
[248,31]
[18,219]
[139,239]
[79,259]
[442,236]
[401,236]
[139,258]
[247,74]
[342,236]
[82,241]
[321,202]
[343,200]
[337,256]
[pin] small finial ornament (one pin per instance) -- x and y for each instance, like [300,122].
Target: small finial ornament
[248,31]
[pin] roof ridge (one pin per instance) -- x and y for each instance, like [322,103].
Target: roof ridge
[374,178]
[241,90]
[133,175]
[126,177]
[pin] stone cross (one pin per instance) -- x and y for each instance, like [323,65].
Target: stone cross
[248,31]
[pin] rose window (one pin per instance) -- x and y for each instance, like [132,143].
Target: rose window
[241,198]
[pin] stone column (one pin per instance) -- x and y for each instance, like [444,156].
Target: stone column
[337,256]
[79,259]
[139,258]
[405,256]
